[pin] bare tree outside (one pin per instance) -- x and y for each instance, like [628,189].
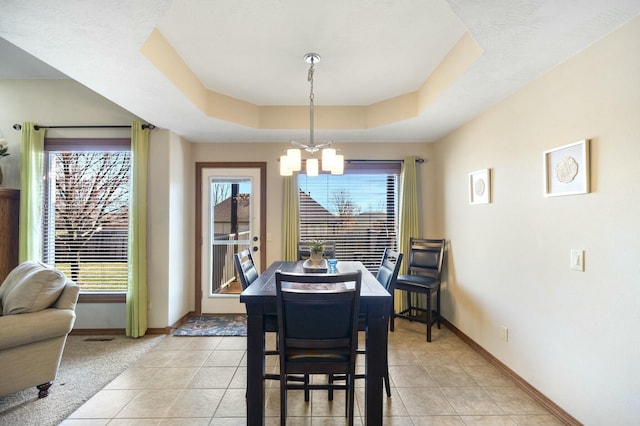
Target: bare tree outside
[220,192]
[91,207]
[343,204]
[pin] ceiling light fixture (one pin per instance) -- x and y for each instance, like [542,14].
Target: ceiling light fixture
[331,160]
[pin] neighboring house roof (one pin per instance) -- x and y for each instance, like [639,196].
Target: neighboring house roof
[314,212]
[222,212]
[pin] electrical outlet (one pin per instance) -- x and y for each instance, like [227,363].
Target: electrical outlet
[577,260]
[505,333]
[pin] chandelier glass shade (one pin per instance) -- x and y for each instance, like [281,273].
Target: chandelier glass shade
[292,160]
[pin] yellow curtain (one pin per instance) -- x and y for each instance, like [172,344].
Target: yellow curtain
[291,218]
[409,220]
[137,286]
[32,151]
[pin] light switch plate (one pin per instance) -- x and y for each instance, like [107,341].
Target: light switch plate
[577,260]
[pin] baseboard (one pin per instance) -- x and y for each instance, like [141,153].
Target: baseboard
[121,331]
[181,321]
[115,331]
[540,398]
[98,332]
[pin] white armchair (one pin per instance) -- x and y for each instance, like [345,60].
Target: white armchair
[37,312]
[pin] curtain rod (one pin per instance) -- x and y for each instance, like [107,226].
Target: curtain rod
[418,160]
[144,126]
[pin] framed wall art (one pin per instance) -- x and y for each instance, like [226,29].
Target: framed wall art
[566,169]
[480,187]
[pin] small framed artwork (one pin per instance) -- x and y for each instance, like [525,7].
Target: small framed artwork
[480,187]
[566,169]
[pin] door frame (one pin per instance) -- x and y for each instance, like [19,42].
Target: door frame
[198,228]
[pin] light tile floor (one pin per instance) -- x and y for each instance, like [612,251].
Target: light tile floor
[201,381]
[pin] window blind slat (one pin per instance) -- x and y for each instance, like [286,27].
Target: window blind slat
[356,210]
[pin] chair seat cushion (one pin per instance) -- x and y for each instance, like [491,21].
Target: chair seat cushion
[417,280]
[318,355]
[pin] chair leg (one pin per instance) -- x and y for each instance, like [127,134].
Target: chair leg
[351,399]
[306,388]
[283,401]
[428,316]
[392,313]
[409,308]
[438,306]
[43,389]
[387,386]
[347,395]
[330,397]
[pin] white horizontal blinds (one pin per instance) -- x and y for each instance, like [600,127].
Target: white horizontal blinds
[357,210]
[86,211]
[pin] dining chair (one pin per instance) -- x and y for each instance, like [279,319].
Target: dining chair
[425,268]
[247,274]
[386,275]
[318,331]
[304,252]
[246,268]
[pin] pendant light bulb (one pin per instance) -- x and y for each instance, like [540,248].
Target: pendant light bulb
[284,166]
[338,165]
[312,167]
[328,159]
[294,159]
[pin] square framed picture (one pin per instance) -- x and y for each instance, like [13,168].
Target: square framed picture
[566,169]
[480,187]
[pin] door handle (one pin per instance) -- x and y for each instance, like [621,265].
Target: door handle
[255,248]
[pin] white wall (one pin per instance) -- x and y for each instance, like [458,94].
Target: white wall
[159,229]
[181,254]
[53,102]
[573,335]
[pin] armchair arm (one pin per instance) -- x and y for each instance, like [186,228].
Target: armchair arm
[69,296]
[21,329]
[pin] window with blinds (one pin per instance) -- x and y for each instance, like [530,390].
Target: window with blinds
[357,210]
[86,211]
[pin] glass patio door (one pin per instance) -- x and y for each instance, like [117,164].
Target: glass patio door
[230,224]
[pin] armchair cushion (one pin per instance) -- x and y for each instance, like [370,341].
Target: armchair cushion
[15,276]
[32,288]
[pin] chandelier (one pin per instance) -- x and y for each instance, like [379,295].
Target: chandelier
[292,161]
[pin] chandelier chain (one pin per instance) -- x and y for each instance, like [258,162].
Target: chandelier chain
[311,108]
[310,80]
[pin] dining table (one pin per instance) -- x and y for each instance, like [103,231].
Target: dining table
[260,301]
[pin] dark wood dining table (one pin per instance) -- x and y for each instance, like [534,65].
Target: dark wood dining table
[260,300]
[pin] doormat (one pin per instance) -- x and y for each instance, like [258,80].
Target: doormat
[214,325]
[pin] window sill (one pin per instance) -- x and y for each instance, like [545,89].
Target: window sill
[102,298]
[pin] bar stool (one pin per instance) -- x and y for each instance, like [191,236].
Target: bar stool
[425,267]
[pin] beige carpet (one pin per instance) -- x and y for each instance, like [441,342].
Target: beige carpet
[88,364]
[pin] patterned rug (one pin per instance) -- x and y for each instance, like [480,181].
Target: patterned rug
[214,325]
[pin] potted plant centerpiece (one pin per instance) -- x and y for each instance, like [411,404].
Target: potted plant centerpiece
[316,249]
